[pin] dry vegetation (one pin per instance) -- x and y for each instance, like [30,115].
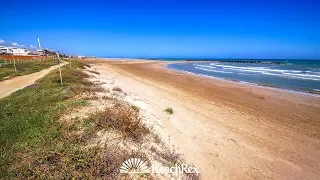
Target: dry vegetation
[169,110]
[117,89]
[123,119]
[94,72]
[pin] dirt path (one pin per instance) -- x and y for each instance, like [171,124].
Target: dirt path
[229,131]
[11,85]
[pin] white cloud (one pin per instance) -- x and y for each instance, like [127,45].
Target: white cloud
[32,47]
[2,41]
[15,44]
[22,45]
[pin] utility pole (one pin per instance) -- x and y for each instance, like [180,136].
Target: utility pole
[14,64]
[60,69]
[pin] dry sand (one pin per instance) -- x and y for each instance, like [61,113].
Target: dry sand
[228,130]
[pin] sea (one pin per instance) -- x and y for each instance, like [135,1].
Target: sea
[294,75]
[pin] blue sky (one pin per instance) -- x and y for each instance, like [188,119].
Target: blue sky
[180,28]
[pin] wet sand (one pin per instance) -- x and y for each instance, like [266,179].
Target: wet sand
[229,130]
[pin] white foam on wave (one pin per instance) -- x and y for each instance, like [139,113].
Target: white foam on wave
[257,69]
[291,74]
[246,70]
[211,70]
[199,65]
[303,75]
[245,74]
[244,82]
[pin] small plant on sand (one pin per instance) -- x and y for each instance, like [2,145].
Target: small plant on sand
[123,119]
[136,108]
[169,110]
[94,72]
[117,89]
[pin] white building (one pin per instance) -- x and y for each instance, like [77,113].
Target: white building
[14,51]
[4,50]
[40,52]
[18,51]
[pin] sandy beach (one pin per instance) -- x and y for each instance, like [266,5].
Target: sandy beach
[226,129]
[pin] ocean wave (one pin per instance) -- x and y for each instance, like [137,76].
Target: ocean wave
[199,65]
[291,76]
[245,74]
[258,69]
[286,73]
[304,75]
[213,70]
[244,82]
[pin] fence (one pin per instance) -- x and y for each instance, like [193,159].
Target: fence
[21,58]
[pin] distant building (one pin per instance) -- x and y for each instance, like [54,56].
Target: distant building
[4,50]
[40,52]
[14,51]
[18,51]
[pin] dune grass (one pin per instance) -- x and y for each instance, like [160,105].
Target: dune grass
[28,116]
[117,89]
[136,108]
[169,110]
[35,144]
[123,119]
[24,67]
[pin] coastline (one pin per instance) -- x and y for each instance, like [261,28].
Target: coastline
[227,129]
[314,93]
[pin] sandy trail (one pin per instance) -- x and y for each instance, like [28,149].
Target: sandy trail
[11,85]
[228,130]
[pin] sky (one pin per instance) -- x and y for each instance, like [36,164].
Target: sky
[162,28]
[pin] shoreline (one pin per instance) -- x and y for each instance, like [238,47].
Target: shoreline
[309,93]
[227,129]
[313,93]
